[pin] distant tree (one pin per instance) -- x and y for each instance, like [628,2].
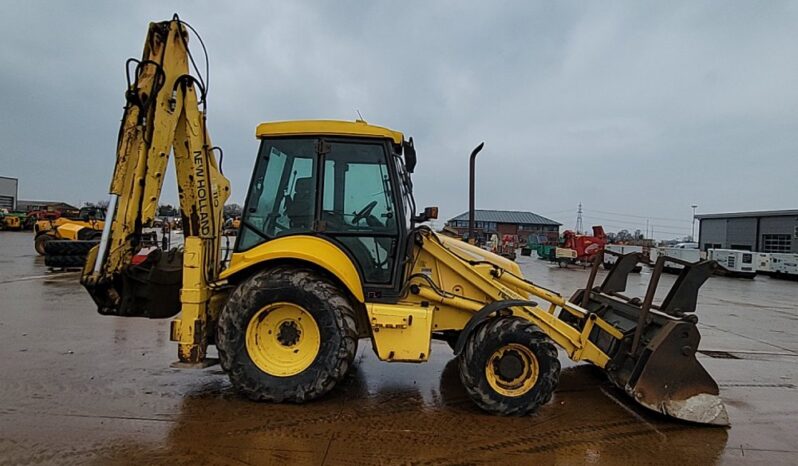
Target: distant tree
[232,210]
[624,235]
[167,210]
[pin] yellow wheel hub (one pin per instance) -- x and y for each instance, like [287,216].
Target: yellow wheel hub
[512,370]
[283,339]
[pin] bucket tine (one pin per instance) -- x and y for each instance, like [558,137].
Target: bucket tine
[615,281]
[683,296]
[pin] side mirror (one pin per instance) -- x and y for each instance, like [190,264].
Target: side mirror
[430,213]
[410,155]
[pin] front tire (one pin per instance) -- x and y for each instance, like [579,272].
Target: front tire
[40,241]
[287,334]
[509,367]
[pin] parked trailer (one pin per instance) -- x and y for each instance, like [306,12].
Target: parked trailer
[733,263]
[784,265]
[685,254]
[620,249]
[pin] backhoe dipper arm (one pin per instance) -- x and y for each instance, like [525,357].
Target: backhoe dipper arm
[162,115]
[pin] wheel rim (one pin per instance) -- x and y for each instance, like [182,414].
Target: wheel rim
[283,339]
[512,370]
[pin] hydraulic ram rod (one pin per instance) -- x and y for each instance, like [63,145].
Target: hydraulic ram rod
[109,218]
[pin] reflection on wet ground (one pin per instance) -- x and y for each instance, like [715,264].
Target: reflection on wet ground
[430,422]
[78,387]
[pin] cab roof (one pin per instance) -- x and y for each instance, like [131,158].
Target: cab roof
[357,128]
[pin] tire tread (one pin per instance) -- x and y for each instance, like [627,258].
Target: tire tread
[232,329]
[472,367]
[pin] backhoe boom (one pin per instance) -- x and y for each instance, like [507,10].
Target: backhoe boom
[162,116]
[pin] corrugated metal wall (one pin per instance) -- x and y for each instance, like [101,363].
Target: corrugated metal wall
[741,233]
[8,193]
[713,231]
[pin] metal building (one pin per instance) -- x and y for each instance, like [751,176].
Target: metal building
[765,231]
[27,206]
[9,190]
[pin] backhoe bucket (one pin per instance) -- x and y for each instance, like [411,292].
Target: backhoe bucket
[150,288]
[655,362]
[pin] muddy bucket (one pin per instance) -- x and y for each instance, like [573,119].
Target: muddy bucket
[655,362]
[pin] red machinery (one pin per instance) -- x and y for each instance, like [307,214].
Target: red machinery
[508,246]
[586,246]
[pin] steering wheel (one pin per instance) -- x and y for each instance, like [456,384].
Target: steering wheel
[364,212]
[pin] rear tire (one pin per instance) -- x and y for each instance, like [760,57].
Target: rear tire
[65,262]
[509,367]
[278,375]
[64,247]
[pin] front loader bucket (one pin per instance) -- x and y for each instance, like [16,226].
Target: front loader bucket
[669,379]
[655,361]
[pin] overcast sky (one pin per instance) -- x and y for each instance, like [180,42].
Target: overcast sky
[635,109]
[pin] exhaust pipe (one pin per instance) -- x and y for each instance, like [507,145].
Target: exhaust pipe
[471,190]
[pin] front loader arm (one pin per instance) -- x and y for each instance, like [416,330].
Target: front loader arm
[647,350]
[162,116]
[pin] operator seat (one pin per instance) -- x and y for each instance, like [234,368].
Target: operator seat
[300,208]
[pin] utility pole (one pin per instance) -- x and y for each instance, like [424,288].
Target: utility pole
[579,227]
[692,231]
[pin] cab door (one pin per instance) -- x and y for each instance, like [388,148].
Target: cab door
[359,209]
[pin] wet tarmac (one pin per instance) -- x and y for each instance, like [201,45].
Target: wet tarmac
[77,387]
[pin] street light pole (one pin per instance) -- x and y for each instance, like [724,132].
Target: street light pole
[692,231]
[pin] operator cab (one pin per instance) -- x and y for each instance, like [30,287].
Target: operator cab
[91,213]
[347,182]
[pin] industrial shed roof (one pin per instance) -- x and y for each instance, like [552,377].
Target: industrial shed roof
[759,213]
[507,216]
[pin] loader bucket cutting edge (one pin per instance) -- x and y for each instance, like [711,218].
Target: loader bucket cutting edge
[669,379]
[701,409]
[655,362]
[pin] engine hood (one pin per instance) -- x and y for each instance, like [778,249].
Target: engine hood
[466,250]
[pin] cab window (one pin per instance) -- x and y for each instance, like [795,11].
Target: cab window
[357,190]
[282,197]
[358,206]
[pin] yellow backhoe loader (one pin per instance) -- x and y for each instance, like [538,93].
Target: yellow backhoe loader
[83,225]
[332,251]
